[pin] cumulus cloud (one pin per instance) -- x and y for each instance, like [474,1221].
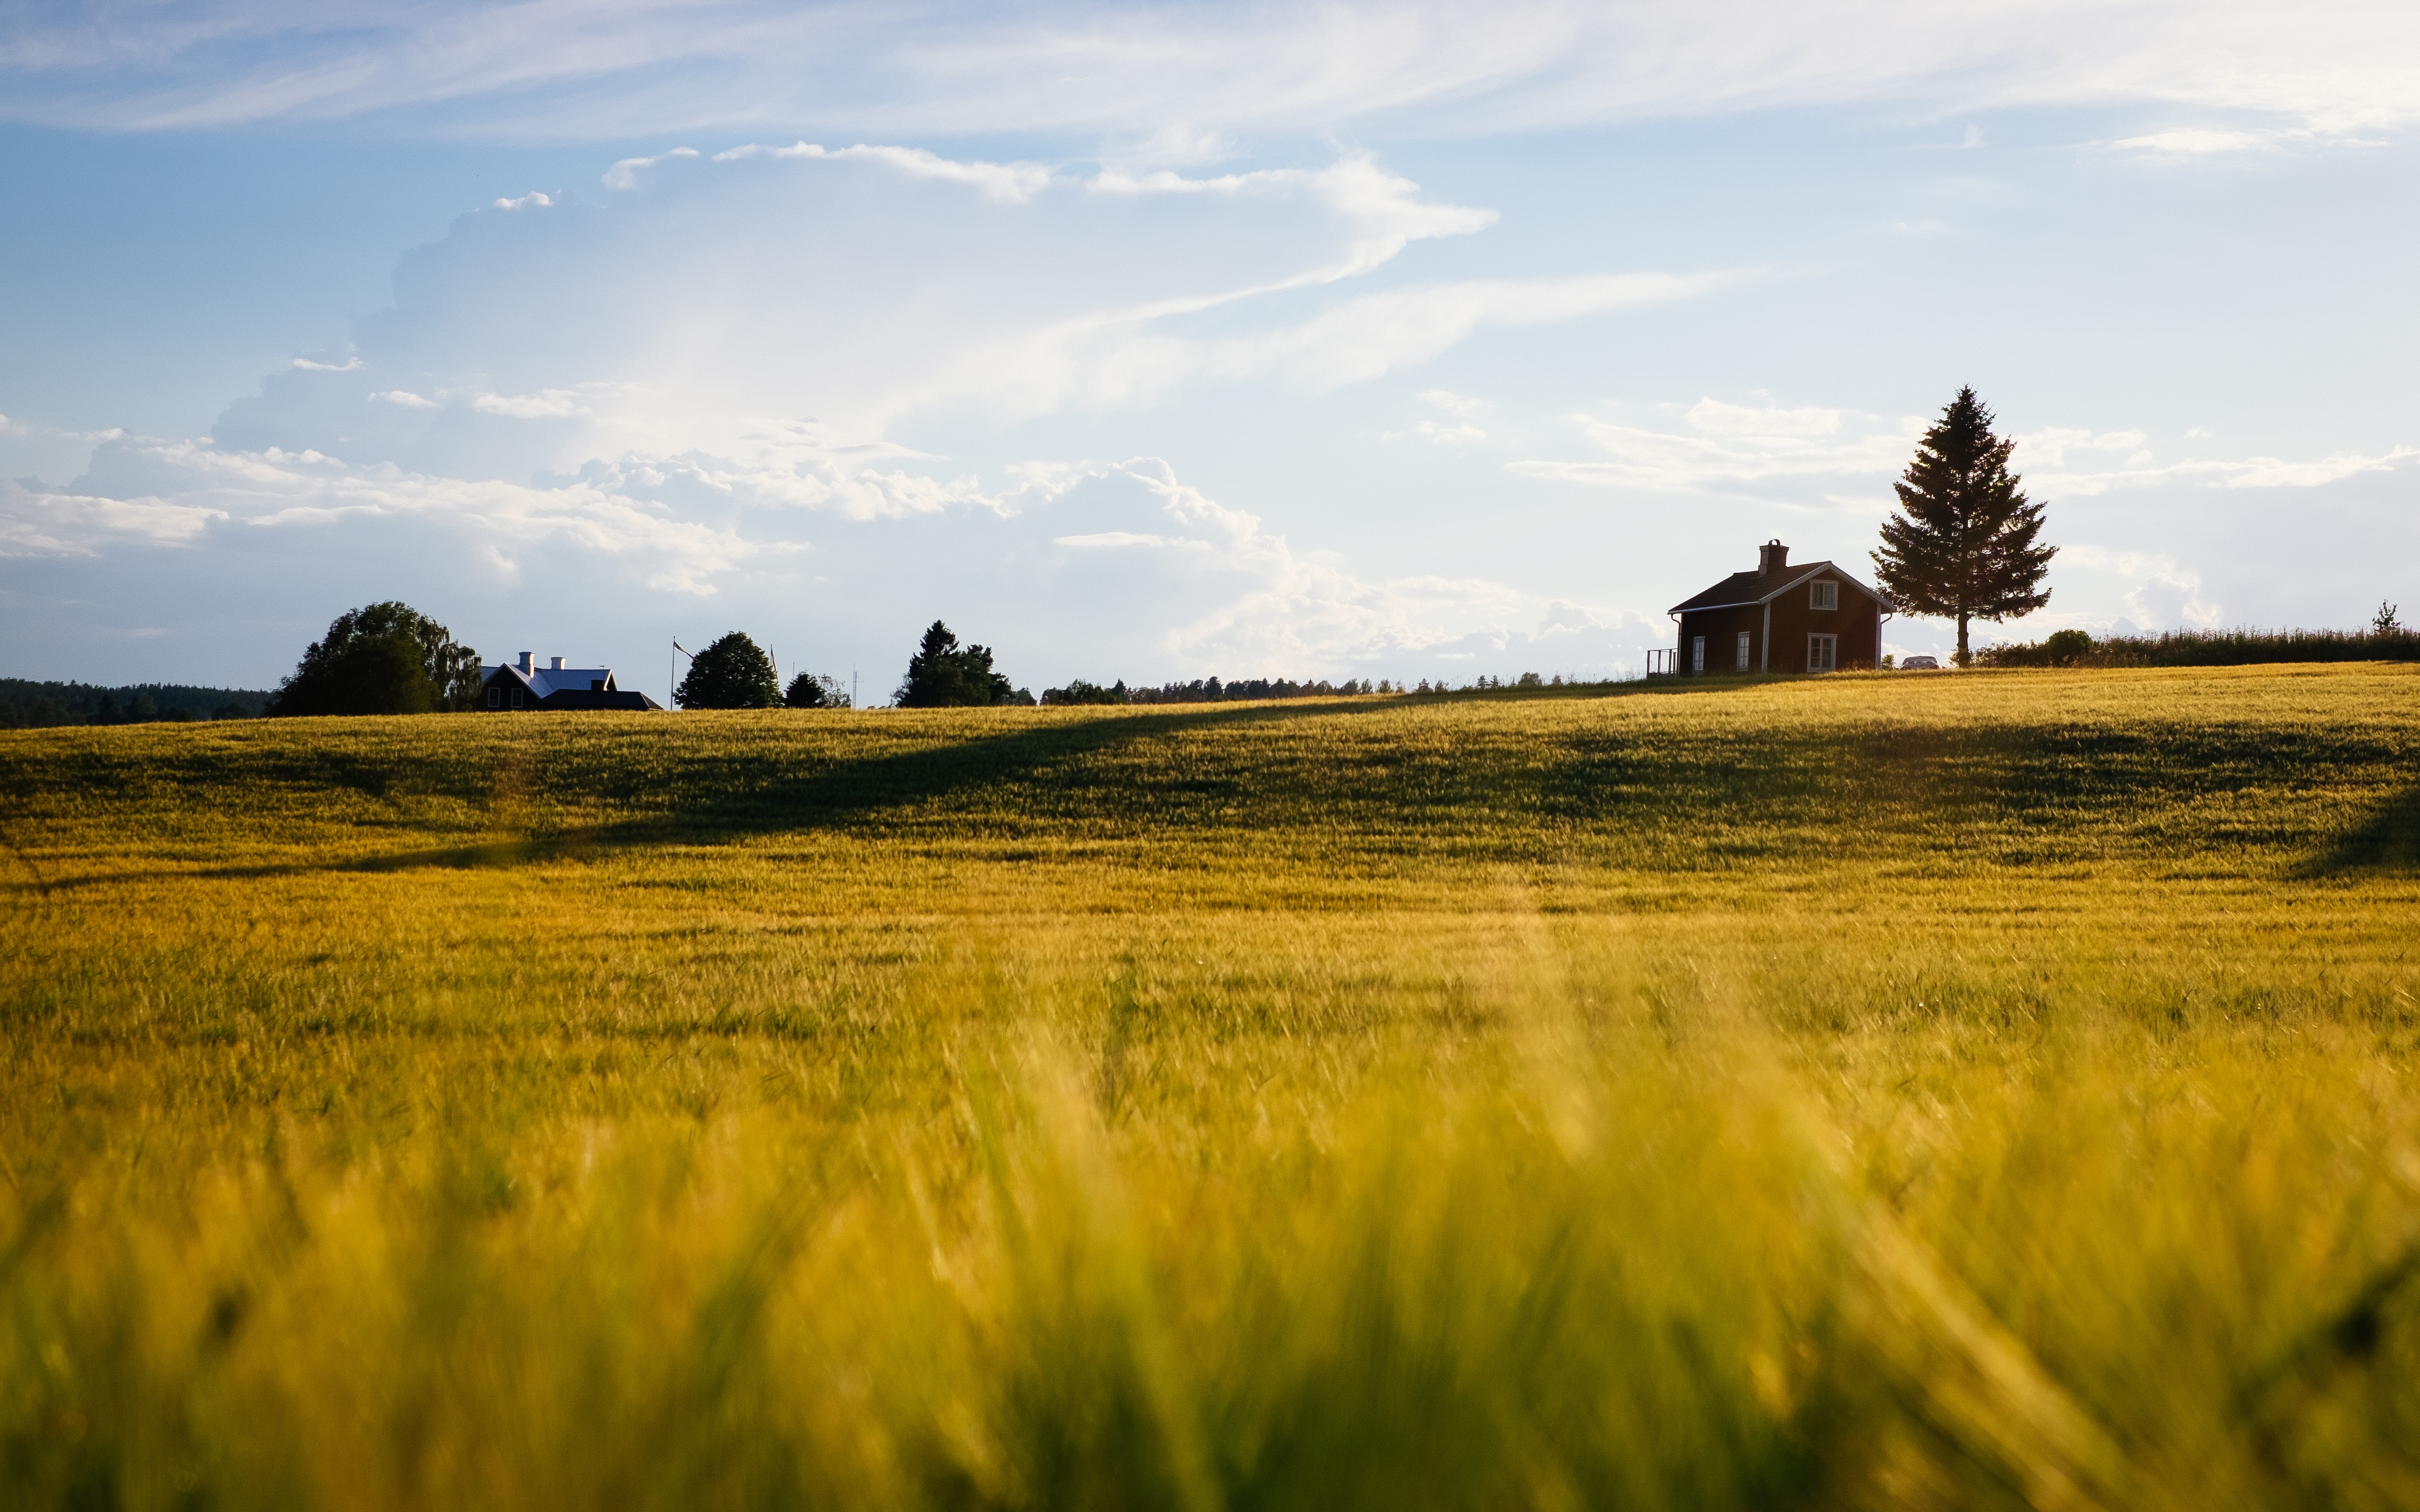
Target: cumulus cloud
[1118,569]
[36,522]
[351,365]
[2159,592]
[192,492]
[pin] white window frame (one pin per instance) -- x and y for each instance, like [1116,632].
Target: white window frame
[1826,595]
[1822,653]
[1697,654]
[1741,657]
[495,698]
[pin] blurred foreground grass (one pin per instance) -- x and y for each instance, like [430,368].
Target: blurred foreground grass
[1967,1091]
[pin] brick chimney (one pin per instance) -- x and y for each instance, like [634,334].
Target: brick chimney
[1772,557]
[525,664]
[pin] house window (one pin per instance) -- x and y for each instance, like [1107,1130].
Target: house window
[517,698]
[495,698]
[1826,596]
[1742,661]
[1697,653]
[1822,653]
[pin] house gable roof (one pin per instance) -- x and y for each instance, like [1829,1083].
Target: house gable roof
[546,681]
[1744,589]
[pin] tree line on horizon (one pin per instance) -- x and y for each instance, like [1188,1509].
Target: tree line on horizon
[1964,545]
[26,705]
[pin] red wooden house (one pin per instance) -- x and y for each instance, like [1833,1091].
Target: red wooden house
[1813,618]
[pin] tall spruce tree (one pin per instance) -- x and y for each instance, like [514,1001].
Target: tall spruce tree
[943,675]
[1963,545]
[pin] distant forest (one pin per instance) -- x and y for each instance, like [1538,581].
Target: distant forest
[2383,641]
[24,705]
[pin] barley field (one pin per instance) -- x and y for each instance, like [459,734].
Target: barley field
[1960,1091]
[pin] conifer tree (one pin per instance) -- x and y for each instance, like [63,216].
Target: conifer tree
[1963,544]
[943,675]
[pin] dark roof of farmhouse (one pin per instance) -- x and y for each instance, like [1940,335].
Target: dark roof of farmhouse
[547,680]
[1743,588]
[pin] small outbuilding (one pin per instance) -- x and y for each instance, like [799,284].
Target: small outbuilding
[508,686]
[1813,618]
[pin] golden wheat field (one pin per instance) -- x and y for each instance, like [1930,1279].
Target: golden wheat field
[1966,1091]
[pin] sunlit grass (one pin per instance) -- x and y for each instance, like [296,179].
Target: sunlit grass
[1968,1090]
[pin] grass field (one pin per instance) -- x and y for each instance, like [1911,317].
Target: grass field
[1970,1090]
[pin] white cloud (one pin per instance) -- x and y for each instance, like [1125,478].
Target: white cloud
[46,523]
[199,488]
[351,365]
[551,403]
[624,174]
[1120,562]
[1442,433]
[525,202]
[406,398]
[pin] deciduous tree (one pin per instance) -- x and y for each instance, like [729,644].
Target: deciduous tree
[381,658]
[732,674]
[1964,542]
[809,692]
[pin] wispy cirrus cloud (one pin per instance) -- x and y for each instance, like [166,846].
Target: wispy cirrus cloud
[2141,469]
[1020,291]
[1728,447]
[1173,74]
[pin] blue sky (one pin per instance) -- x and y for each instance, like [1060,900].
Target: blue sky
[1157,341]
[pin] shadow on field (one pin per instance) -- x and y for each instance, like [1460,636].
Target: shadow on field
[746,794]
[1692,793]
[2388,841]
